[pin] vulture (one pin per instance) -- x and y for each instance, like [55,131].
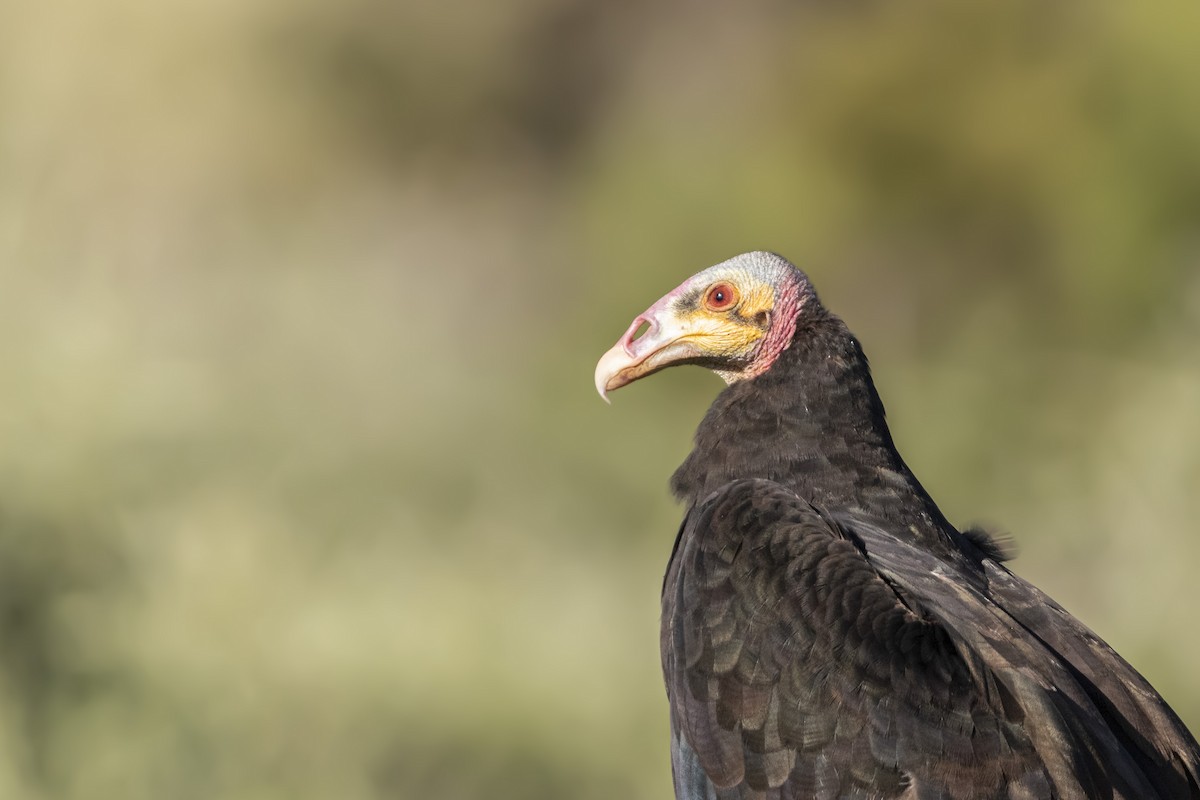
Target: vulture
[826,632]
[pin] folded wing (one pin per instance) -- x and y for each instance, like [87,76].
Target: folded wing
[816,654]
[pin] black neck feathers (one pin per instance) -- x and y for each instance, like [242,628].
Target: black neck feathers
[813,422]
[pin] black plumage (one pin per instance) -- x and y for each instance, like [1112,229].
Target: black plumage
[827,633]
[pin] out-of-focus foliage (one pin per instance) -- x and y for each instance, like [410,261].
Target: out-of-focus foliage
[304,489]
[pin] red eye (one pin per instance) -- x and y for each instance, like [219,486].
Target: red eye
[720,297]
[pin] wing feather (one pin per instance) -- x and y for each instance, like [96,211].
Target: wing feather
[816,654]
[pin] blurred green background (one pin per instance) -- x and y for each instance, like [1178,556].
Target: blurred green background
[305,491]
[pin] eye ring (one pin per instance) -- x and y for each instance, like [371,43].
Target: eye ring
[721,296]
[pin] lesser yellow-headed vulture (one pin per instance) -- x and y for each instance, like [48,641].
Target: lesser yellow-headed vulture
[826,632]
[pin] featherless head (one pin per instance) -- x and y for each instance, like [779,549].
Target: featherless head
[734,318]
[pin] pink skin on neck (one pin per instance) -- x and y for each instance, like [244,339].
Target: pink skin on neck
[788,303]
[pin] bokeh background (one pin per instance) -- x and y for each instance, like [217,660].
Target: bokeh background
[304,488]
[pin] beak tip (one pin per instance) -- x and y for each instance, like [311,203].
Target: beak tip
[607,368]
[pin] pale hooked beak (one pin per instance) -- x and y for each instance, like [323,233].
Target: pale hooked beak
[662,345]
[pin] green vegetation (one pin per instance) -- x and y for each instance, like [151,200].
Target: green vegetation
[304,488]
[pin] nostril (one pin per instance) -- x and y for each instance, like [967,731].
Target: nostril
[641,327]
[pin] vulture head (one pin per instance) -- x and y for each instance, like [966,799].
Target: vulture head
[734,318]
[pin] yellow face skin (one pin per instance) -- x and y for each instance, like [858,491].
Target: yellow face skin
[694,323]
[734,332]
